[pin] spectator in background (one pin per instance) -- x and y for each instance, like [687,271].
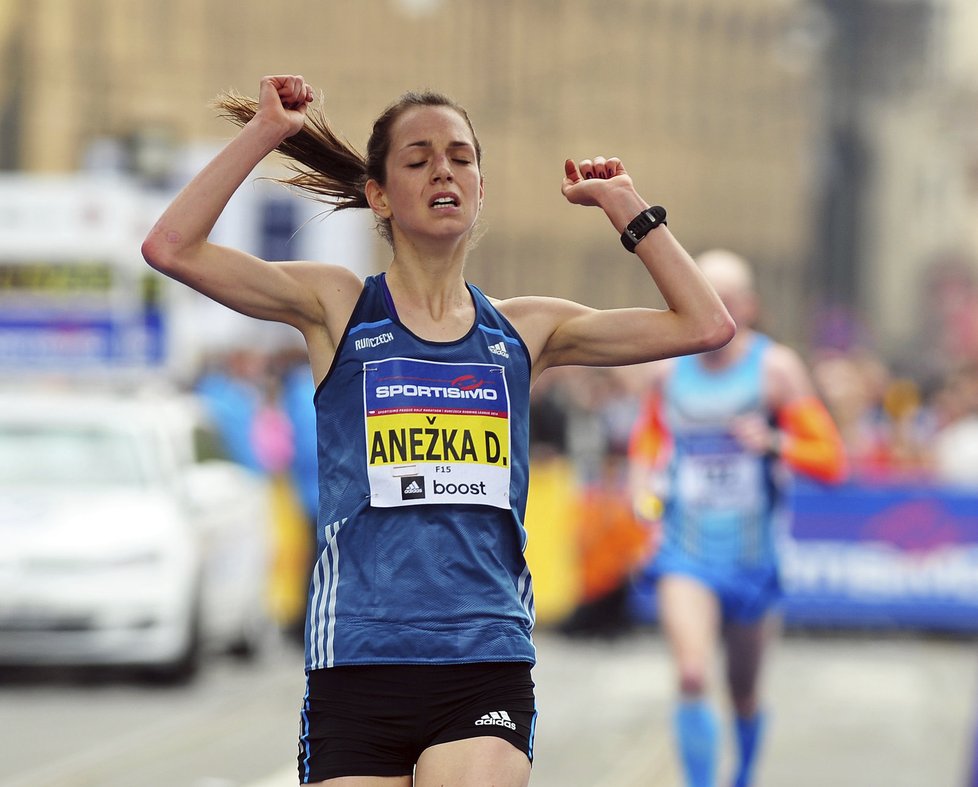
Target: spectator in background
[852,384]
[885,424]
[296,398]
[548,418]
[231,386]
[905,432]
[272,436]
[956,443]
[297,390]
[611,543]
[242,390]
[716,432]
[552,500]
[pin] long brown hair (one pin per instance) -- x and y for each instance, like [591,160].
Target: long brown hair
[326,166]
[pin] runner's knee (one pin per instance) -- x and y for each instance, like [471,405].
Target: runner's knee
[692,682]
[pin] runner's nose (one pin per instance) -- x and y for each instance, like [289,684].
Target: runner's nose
[442,169]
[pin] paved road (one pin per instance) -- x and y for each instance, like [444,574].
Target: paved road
[893,711]
[867,712]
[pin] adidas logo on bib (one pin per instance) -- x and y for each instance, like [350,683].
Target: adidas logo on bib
[412,487]
[498,718]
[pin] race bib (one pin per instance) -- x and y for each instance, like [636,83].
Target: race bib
[436,433]
[723,481]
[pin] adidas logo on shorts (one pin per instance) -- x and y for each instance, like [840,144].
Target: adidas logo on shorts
[499,718]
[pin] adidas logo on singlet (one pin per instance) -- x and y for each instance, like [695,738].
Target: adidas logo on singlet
[498,718]
[499,349]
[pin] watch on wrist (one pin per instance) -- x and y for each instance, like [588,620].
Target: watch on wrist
[642,225]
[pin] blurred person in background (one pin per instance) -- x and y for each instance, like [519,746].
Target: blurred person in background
[231,386]
[551,501]
[418,642]
[905,430]
[241,390]
[297,395]
[885,422]
[715,433]
[955,446]
[853,383]
[596,523]
[611,542]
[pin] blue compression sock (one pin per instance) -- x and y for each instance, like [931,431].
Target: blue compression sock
[698,734]
[749,731]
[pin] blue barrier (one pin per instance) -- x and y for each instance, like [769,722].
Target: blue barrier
[901,556]
[873,556]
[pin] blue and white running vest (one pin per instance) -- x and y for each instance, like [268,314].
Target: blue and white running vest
[721,498]
[423,468]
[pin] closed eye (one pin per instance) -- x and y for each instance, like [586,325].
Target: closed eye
[416,164]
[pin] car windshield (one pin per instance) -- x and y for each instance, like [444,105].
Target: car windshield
[69,455]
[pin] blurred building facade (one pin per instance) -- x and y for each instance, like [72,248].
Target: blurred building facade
[827,140]
[899,201]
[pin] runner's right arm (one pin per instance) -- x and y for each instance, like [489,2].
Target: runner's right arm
[313,297]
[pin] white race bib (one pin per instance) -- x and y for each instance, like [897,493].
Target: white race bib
[727,481]
[436,433]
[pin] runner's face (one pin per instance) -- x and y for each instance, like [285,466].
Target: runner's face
[434,186]
[735,291]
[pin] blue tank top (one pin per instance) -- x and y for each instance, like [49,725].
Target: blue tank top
[423,468]
[722,499]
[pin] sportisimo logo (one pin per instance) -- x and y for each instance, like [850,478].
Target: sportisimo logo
[435,392]
[497,718]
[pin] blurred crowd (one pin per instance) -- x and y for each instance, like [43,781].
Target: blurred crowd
[899,429]
[585,538]
[261,403]
[896,428]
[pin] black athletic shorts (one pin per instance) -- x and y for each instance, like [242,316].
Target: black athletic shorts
[376,720]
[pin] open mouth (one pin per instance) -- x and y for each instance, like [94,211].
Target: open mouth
[447,201]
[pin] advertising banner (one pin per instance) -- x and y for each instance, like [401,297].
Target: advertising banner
[80,314]
[902,556]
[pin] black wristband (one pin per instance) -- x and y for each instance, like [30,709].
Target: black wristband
[642,225]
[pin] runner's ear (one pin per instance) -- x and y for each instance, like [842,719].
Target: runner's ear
[377,199]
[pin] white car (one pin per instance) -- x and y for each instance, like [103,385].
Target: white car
[124,538]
